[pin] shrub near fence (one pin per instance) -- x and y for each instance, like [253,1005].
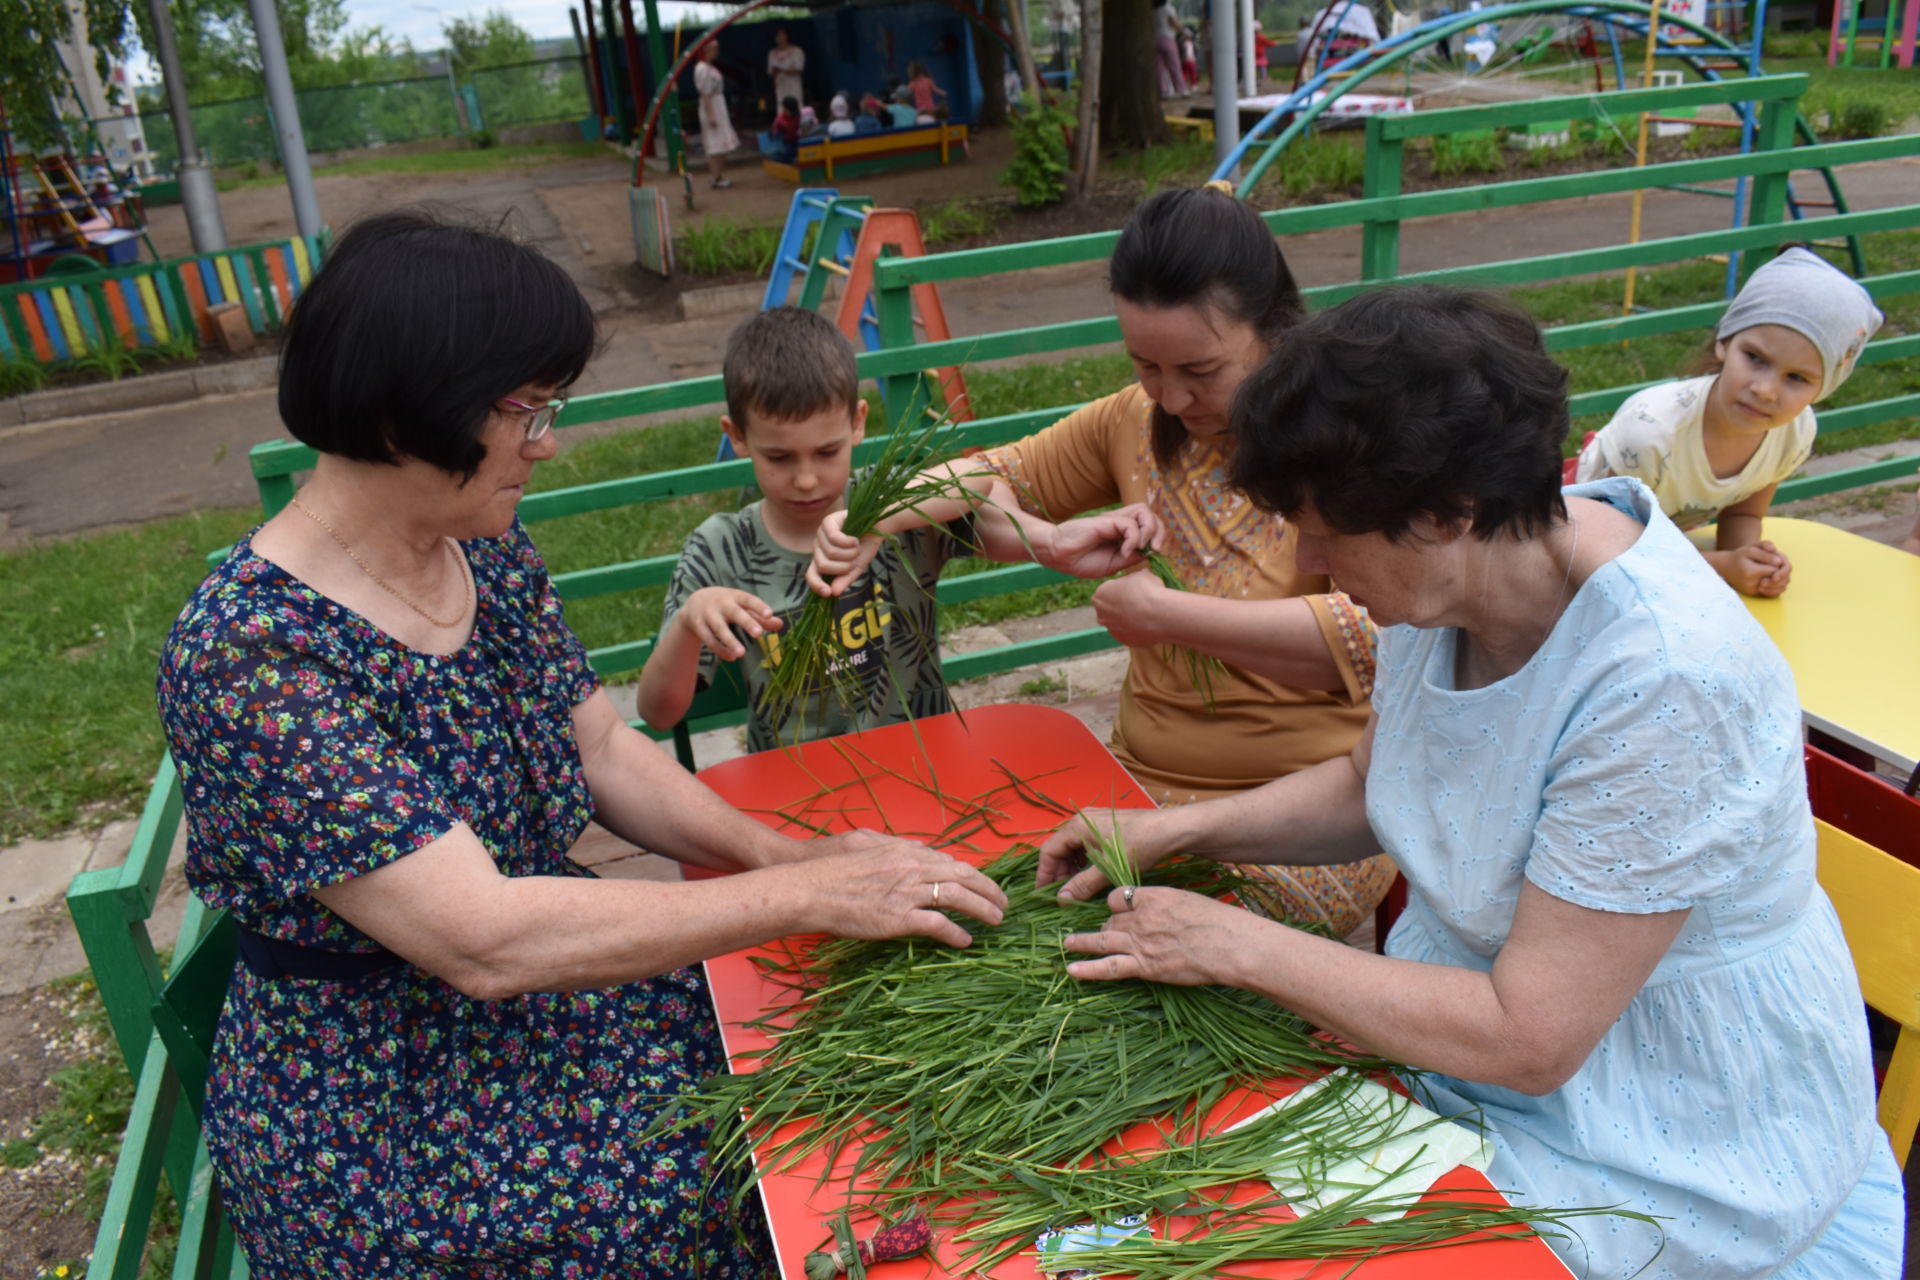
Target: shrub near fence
[157,304]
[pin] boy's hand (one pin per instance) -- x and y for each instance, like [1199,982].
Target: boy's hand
[838,557]
[1757,569]
[711,613]
[1102,545]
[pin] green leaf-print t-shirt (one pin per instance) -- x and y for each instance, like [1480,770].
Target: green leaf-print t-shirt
[885,625]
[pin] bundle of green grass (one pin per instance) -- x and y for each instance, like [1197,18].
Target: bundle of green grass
[984,1085]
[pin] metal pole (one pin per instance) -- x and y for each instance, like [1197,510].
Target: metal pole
[1247,69]
[1226,101]
[659,65]
[460,120]
[630,43]
[199,199]
[286,116]
[589,69]
[626,97]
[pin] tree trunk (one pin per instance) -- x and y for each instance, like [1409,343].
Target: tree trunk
[1023,49]
[991,56]
[1086,137]
[1130,114]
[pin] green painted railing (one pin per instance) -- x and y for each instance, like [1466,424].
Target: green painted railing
[900,365]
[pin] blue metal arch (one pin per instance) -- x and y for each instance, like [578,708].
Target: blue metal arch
[1630,15]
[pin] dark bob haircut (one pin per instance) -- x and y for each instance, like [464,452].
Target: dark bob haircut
[1403,403]
[413,328]
[1203,247]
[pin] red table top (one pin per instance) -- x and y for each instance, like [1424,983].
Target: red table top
[938,778]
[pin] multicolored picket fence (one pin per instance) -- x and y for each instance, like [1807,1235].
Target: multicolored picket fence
[60,317]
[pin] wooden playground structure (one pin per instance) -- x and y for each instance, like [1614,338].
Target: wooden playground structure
[62,212]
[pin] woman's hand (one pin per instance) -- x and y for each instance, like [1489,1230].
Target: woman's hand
[1063,855]
[1133,607]
[838,557]
[711,613]
[1165,935]
[1101,545]
[879,886]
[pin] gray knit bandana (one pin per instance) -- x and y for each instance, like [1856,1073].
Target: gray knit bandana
[1800,291]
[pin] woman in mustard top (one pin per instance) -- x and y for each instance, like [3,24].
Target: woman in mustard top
[1203,295]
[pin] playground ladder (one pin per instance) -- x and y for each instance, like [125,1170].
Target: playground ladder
[62,205]
[1850,30]
[851,236]
[838,220]
[895,233]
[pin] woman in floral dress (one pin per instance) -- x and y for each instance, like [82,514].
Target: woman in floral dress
[445,1042]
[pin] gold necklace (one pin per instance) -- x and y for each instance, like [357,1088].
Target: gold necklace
[381,582]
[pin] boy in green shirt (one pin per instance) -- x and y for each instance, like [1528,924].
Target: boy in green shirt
[794,409]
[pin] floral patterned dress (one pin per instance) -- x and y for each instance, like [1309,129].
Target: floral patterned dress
[389,1125]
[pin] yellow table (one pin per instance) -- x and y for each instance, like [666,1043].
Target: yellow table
[1849,626]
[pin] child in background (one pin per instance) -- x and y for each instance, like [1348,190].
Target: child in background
[1714,448]
[873,116]
[920,84]
[900,107]
[841,125]
[794,408]
[786,130]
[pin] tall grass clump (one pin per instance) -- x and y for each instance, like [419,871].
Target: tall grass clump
[953,220]
[1320,162]
[1456,154]
[719,245]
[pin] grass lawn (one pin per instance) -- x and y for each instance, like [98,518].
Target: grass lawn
[86,616]
[452,160]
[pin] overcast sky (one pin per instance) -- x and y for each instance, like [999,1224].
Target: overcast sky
[421,22]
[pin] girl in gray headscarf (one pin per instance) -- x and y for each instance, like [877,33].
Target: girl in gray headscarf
[1714,448]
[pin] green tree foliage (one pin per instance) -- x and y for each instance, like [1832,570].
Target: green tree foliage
[32,78]
[492,40]
[354,86]
[494,54]
[220,54]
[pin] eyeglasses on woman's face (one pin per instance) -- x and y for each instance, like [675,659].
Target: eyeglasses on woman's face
[540,418]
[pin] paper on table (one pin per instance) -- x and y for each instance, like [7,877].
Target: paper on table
[1417,1142]
[1057,1245]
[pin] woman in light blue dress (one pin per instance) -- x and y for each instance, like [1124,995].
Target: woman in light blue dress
[1585,757]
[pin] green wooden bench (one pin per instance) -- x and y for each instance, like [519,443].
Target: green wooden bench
[161,1026]
[164,1027]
